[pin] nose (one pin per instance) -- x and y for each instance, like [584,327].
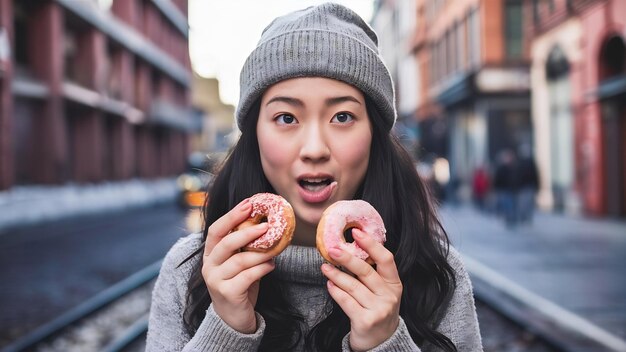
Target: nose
[315,146]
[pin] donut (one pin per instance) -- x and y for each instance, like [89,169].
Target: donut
[279,215]
[344,215]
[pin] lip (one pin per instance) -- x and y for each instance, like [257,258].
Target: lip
[319,196]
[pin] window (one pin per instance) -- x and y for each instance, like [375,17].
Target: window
[433,64]
[441,62]
[474,36]
[613,57]
[458,50]
[21,28]
[461,45]
[447,54]
[70,53]
[513,29]
[451,52]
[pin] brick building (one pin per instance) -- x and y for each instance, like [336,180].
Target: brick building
[93,90]
[394,23]
[477,62]
[579,90]
[545,76]
[472,99]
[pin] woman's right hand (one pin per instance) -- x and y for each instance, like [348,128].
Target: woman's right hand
[232,277]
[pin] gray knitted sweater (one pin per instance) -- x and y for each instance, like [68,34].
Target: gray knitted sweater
[299,268]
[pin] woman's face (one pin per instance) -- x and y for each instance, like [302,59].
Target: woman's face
[314,139]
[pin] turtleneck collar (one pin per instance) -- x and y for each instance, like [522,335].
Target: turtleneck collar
[300,264]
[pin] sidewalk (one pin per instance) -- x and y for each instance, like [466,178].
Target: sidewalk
[563,275]
[27,205]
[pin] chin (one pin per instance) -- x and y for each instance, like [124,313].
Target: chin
[310,218]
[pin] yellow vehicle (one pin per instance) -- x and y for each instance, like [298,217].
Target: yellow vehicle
[193,184]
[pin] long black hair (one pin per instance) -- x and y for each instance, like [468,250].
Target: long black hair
[414,235]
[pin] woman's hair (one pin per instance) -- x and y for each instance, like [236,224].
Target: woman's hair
[414,235]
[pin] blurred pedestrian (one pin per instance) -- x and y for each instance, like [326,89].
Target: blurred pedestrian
[480,187]
[316,110]
[506,185]
[528,185]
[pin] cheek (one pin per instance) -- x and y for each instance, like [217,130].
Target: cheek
[273,153]
[355,154]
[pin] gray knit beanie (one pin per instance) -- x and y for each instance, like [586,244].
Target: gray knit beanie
[329,41]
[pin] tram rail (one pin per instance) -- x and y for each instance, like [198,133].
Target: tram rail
[549,335]
[88,308]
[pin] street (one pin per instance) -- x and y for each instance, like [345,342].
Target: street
[48,269]
[575,262]
[56,266]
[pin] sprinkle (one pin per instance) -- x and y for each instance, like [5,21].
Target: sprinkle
[273,207]
[358,212]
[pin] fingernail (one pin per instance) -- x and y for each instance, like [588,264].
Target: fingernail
[335,252]
[244,204]
[330,284]
[358,234]
[326,267]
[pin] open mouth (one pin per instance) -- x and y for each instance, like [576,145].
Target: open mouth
[314,184]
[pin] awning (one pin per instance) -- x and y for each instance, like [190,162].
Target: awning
[611,87]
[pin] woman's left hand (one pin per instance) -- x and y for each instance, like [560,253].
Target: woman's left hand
[370,298]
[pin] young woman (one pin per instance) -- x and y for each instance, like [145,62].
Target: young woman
[316,110]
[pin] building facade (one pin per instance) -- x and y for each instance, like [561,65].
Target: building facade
[539,77]
[475,95]
[579,94]
[93,90]
[220,132]
[394,23]
[468,61]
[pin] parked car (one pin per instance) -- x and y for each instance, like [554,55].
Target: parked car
[193,183]
[192,189]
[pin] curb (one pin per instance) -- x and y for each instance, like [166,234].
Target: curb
[561,328]
[24,206]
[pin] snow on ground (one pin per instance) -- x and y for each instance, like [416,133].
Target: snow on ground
[23,205]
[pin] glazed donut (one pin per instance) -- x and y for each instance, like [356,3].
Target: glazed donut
[344,215]
[280,217]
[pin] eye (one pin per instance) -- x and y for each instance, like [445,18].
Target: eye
[285,119]
[343,117]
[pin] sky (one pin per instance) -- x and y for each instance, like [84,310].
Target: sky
[223,32]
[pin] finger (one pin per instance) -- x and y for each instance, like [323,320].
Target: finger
[361,269]
[232,243]
[349,285]
[241,262]
[347,303]
[222,226]
[385,263]
[355,265]
[242,281]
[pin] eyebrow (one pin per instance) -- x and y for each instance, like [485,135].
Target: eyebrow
[299,103]
[288,100]
[339,100]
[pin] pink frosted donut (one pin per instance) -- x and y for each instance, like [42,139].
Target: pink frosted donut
[343,215]
[280,217]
